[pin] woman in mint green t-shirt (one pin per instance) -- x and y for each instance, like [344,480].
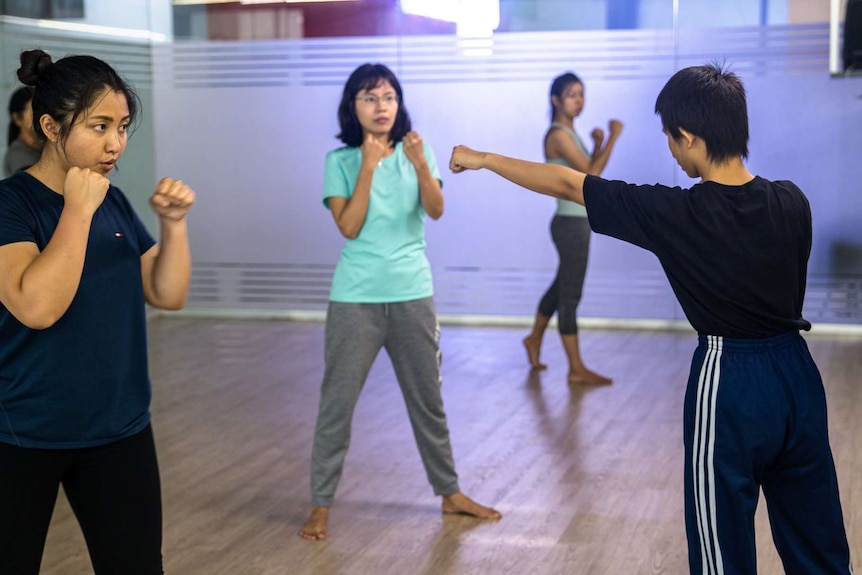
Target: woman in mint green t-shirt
[379,188]
[570,229]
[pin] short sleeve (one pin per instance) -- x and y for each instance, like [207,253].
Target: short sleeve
[335,178]
[16,223]
[631,213]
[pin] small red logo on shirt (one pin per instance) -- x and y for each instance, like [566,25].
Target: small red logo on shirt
[118,234]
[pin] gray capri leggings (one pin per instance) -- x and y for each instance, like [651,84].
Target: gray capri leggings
[355,332]
[571,235]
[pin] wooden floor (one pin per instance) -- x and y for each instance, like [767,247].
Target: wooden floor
[589,480]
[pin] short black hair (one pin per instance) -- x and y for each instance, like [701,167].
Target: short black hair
[709,102]
[17,104]
[368,77]
[68,87]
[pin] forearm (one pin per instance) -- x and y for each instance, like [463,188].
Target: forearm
[601,155]
[172,268]
[548,179]
[351,218]
[50,281]
[430,193]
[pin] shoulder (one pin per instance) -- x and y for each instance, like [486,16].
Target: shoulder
[556,132]
[785,185]
[12,187]
[342,152]
[559,139]
[16,146]
[597,183]
[343,157]
[790,194]
[784,188]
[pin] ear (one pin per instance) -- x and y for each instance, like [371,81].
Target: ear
[555,101]
[50,128]
[687,138]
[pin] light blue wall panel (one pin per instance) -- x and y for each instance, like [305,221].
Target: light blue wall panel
[249,124]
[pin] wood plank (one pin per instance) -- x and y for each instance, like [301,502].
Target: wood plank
[589,480]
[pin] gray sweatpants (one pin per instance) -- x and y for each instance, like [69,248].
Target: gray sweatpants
[355,333]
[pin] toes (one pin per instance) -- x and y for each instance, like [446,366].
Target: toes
[310,535]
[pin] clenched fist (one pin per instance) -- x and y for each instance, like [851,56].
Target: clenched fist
[463,158]
[84,189]
[172,199]
[414,149]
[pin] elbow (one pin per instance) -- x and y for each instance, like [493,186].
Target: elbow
[175,303]
[174,306]
[39,325]
[349,232]
[40,319]
[435,209]
[169,297]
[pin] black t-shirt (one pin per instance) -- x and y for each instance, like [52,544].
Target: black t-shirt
[736,256]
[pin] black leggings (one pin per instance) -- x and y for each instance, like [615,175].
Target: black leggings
[571,235]
[113,489]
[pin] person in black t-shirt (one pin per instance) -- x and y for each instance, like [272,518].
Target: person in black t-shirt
[735,248]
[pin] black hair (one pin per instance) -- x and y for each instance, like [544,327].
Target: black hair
[68,87]
[708,102]
[18,102]
[368,77]
[559,85]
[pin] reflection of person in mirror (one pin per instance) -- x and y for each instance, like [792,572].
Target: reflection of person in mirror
[23,148]
[379,187]
[78,266]
[735,248]
[852,49]
[570,229]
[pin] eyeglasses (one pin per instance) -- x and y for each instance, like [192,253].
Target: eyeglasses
[372,100]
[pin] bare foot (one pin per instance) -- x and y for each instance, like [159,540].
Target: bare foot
[461,504]
[587,377]
[315,527]
[534,348]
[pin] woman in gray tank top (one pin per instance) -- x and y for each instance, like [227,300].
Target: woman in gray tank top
[570,229]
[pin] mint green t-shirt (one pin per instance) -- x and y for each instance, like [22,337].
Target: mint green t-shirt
[565,207]
[386,262]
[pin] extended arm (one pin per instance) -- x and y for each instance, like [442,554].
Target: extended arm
[548,179]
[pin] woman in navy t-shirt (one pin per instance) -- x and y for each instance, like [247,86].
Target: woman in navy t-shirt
[78,266]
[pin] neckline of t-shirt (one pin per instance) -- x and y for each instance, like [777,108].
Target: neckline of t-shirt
[385,159]
[752,181]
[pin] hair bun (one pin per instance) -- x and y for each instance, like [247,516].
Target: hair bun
[34,63]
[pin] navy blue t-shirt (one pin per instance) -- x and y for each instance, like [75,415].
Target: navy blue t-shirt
[736,256]
[83,381]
